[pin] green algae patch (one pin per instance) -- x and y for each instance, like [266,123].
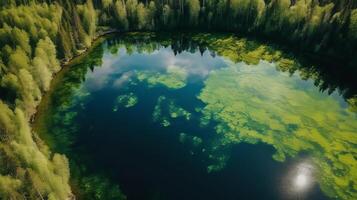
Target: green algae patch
[186,138]
[174,78]
[176,111]
[251,104]
[251,52]
[255,104]
[166,110]
[126,101]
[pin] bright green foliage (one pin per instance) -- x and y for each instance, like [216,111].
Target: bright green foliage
[151,15]
[106,3]
[21,38]
[37,20]
[277,16]
[353,24]
[303,23]
[239,6]
[33,33]
[143,16]
[193,10]
[10,84]
[121,15]
[131,8]
[319,16]
[48,177]
[45,63]
[88,16]
[30,92]
[18,60]
[298,12]
[29,60]
[60,113]
[249,105]
[307,24]
[9,187]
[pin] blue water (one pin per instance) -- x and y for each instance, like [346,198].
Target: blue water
[149,159]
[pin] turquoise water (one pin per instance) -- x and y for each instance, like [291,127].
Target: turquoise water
[200,117]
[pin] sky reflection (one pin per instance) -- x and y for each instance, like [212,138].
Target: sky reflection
[237,102]
[197,66]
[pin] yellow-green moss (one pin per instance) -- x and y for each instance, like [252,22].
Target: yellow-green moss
[253,104]
[174,78]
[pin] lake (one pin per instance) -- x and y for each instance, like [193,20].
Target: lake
[200,116]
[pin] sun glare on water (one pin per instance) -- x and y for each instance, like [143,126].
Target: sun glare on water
[301,181]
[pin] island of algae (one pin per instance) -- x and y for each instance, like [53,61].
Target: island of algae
[255,104]
[174,78]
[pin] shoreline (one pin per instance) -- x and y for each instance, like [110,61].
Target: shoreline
[57,79]
[64,65]
[37,120]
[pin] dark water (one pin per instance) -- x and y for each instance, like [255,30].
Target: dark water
[201,117]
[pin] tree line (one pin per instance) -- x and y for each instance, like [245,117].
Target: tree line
[33,36]
[327,27]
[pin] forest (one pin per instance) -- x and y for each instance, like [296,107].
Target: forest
[38,36]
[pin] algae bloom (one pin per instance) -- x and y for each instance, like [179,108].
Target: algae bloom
[174,78]
[215,111]
[125,100]
[166,109]
[257,104]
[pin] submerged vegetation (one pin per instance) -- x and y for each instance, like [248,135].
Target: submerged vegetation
[236,102]
[166,109]
[174,78]
[126,100]
[36,36]
[288,117]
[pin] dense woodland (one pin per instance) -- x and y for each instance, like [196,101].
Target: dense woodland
[36,35]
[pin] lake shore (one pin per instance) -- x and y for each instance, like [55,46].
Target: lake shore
[66,64]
